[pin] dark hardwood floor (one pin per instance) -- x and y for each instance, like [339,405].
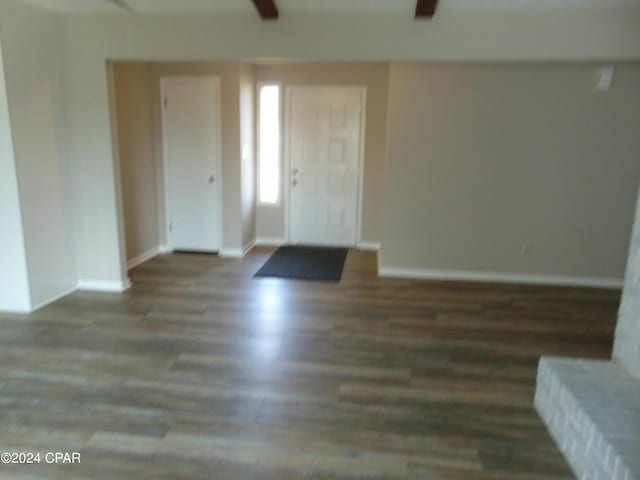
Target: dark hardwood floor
[201,371]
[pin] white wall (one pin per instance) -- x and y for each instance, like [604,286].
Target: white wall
[493,34]
[247,156]
[34,62]
[484,159]
[14,283]
[570,34]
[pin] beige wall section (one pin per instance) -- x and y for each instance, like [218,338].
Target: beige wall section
[138,166]
[113,123]
[229,74]
[271,220]
[484,159]
[248,164]
[469,35]
[139,119]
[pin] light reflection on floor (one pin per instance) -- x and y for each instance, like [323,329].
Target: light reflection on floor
[269,319]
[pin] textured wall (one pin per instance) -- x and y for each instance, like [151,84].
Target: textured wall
[627,344]
[590,409]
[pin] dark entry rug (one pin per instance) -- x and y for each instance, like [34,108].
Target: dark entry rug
[305,263]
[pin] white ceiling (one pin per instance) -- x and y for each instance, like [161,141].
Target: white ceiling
[295,6]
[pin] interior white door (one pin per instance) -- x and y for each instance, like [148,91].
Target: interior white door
[190,121]
[324,134]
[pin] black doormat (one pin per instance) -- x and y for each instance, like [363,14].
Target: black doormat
[305,263]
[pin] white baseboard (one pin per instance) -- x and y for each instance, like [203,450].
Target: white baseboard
[371,246]
[230,252]
[16,311]
[104,286]
[474,276]
[248,247]
[237,252]
[88,285]
[164,249]
[270,242]
[143,257]
[53,298]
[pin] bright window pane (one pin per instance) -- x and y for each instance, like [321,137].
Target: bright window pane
[269,145]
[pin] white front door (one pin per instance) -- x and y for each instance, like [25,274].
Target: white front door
[191,130]
[324,132]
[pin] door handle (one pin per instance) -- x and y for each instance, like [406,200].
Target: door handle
[212,179]
[294,171]
[294,182]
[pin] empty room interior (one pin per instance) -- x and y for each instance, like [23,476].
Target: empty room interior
[346,239]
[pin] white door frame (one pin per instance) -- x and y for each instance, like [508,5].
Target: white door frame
[217,161]
[289,91]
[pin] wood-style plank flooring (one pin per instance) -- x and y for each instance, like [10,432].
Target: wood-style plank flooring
[202,372]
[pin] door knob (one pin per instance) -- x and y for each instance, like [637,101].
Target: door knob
[212,179]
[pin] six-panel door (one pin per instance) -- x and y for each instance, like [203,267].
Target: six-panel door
[324,142]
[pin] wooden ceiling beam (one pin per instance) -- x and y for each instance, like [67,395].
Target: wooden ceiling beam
[267,9]
[426,8]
